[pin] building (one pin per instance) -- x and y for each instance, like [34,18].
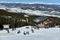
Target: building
[44,22]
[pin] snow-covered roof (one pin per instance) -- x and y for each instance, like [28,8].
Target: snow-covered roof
[39,19]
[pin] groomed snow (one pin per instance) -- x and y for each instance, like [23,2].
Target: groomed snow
[41,34]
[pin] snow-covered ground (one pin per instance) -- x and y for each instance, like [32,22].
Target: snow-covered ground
[41,34]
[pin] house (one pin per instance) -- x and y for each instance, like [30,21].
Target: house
[44,22]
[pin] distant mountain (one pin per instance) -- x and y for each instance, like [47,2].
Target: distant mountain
[32,9]
[32,6]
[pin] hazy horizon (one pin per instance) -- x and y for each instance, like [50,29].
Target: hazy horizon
[44,1]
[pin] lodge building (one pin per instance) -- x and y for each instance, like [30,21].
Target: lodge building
[44,22]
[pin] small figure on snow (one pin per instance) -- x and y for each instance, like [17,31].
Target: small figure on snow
[32,30]
[18,32]
[24,33]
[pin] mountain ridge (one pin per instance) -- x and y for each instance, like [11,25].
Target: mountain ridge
[34,6]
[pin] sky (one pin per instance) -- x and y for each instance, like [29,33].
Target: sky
[47,1]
